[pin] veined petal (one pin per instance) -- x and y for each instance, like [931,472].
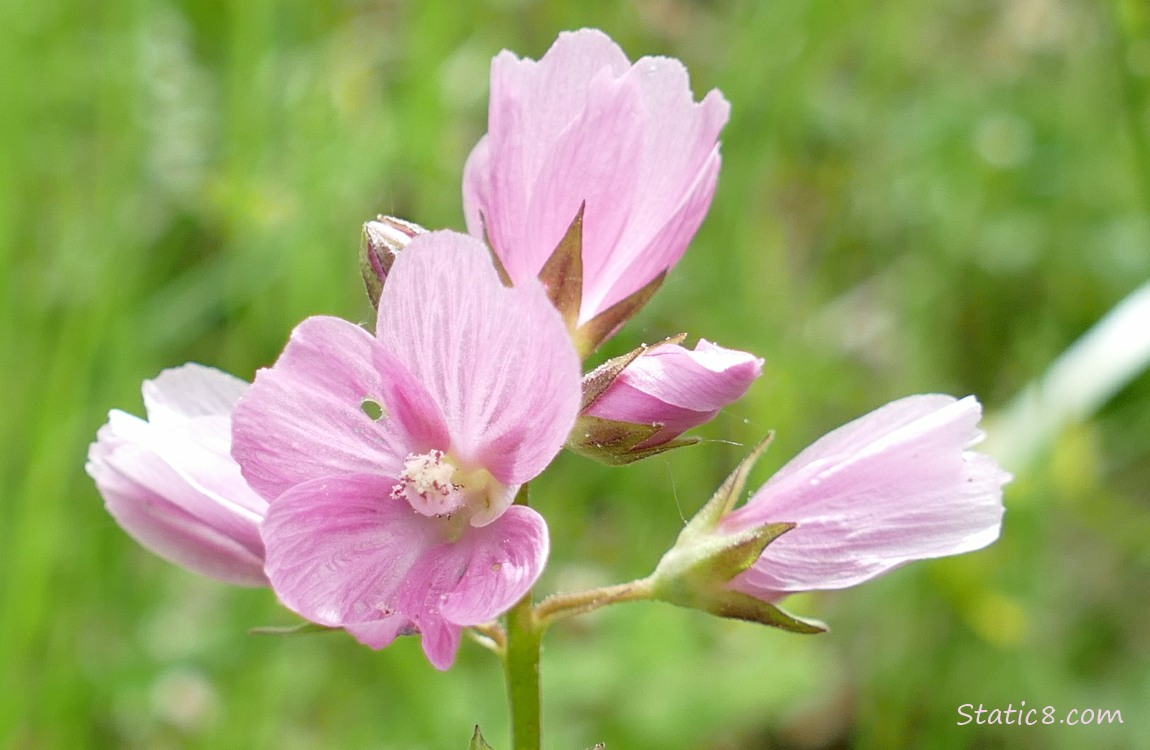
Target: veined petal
[440,642]
[483,573]
[342,552]
[219,494]
[339,548]
[676,181]
[171,482]
[532,103]
[859,434]
[192,390]
[704,379]
[596,160]
[677,388]
[585,126]
[895,485]
[497,361]
[305,417]
[173,518]
[649,255]
[381,633]
[559,77]
[409,406]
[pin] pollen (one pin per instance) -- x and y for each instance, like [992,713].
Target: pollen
[426,483]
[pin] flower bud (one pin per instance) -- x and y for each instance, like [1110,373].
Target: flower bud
[382,241]
[894,486]
[639,404]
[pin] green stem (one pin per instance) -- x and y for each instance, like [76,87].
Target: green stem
[521,647]
[565,605]
[522,665]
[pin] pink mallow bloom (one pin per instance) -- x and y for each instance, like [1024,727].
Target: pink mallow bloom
[676,388]
[584,127]
[897,485]
[392,460]
[171,481]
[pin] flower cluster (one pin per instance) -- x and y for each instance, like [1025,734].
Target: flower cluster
[375,479]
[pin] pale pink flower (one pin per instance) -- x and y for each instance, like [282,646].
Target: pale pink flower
[896,485]
[585,126]
[171,481]
[392,460]
[676,388]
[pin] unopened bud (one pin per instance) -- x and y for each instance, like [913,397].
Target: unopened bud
[639,404]
[382,241]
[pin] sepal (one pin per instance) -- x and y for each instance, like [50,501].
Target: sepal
[696,572]
[477,741]
[381,243]
[617,443]
[735,605]
[723,501]
[604,325]
[562,274]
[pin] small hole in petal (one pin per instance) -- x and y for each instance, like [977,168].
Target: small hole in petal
[373,409]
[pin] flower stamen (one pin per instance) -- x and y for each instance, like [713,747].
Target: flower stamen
[426,484]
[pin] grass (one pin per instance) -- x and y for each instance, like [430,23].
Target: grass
[915,197]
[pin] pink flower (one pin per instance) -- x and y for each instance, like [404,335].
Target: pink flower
[171,481]
[676,388]
[896,485]
[585,126]
[392,460]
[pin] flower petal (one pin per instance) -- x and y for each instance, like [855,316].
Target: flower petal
[678,175]
[381,633]
[482,574]
[342,552]
[677,388]
[305,417]
[339,548]
[497,361]
[192,390]
[596,161]
[440,640]
[168,513]
[649,256]
[583,125]
[893,486]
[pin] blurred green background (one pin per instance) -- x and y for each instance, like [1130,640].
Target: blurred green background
[916,196]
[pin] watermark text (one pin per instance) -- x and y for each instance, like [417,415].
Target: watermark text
[1030,716]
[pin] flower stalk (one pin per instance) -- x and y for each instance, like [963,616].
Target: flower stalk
[521,663]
